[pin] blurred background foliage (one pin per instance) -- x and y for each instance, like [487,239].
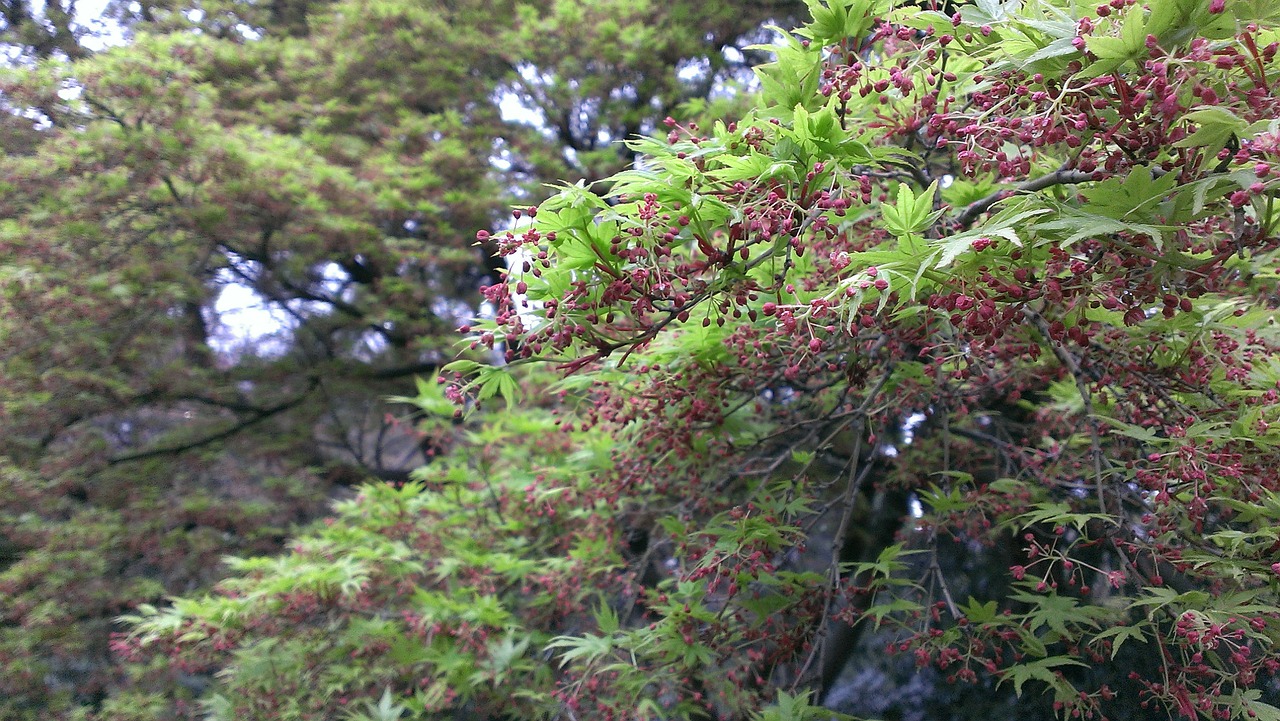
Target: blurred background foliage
[229,231]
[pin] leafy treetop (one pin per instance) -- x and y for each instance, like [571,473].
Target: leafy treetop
[1003,278]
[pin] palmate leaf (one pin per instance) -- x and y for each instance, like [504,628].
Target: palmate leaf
[1262,711]
[1061,514]
[764,606]
[384,710]
[902,606]
[1056,612]
[1128,430]
[1133,198]
[988,12]
[1120,634]
[1041,670]
[1259,11]
[504,653]
[1113,51]
[489,381]
[1060,47]
[1091,225]
[793,78]
[1003,225]
[1217,126]
[910,214]
[798,708]
[1157,597]
[753,166]
[587,647]
[978,612]
[836,20]
[430,398]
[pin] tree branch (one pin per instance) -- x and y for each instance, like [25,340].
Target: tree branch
[1062,176]
[258,416]
[393,372]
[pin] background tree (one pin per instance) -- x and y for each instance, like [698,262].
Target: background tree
[332,162]
[962,341]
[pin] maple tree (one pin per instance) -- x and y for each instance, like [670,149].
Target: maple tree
[328,160]
[997,282]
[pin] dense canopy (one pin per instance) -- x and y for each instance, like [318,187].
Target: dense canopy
[228,238]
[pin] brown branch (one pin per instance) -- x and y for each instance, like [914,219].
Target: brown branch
[1077,372]
[258,416]
[1062,176]
[857,477]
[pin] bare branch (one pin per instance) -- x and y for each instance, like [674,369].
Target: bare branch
[257,417]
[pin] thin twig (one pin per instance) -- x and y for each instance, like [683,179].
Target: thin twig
[856,478]
[1074,368]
